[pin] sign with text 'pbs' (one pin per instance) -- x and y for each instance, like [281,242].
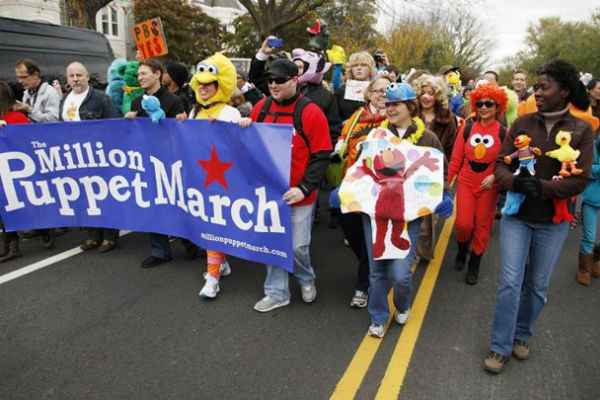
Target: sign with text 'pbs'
[150,38]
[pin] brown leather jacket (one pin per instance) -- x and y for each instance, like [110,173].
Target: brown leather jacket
[542,209]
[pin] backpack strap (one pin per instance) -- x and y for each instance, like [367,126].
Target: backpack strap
[502,133]
[300,106]
[467,130]
[264,110]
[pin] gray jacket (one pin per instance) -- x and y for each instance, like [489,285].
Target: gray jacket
[45,103]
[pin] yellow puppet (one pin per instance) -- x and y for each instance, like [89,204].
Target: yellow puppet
[219,69]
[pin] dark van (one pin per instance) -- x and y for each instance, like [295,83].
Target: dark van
[53,47]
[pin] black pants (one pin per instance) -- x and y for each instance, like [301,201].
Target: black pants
[8,236]
[353,230]
[100,234]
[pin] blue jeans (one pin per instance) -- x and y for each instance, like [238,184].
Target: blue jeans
[277,280]
[386,273]
[521,292]
[589,216]
[160,245]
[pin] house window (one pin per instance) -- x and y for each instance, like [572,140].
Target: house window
[114,21]
[110,21]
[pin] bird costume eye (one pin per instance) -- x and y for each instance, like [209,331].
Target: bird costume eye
[488,141]
[476,139]
[208,68]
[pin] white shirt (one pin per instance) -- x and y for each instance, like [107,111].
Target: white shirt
[73,101]
[227,114]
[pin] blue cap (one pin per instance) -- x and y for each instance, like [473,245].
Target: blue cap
[396,92]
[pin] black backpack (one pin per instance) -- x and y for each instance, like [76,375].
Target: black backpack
[296,115]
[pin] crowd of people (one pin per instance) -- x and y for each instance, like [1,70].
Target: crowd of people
[497,143]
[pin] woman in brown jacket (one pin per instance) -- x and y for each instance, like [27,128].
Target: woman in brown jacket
[531,235]
[432,96]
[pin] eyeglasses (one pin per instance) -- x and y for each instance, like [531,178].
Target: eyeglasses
[487,103]
[279,81]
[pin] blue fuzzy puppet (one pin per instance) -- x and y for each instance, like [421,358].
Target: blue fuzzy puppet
[116,81]
[151,105]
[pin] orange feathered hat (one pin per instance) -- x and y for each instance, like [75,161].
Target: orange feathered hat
[487,91]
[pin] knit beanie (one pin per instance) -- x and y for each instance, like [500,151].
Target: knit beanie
[178,73]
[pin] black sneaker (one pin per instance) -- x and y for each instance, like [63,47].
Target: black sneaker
[152,262]
[494,363]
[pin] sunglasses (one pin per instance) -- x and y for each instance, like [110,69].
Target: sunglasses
[279,81]
[487,103]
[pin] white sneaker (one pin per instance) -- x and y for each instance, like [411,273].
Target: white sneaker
[211,288]
[268,303]
[360,299]
[224,270]
[376,331]
[309,292]
[402,317]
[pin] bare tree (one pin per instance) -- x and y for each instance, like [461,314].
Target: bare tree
[82,13]
[466,38]
[272,15]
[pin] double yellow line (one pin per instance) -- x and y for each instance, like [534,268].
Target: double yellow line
[392,381]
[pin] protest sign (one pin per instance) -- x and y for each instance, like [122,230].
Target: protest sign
[150,38]
[355,90]
[393,182]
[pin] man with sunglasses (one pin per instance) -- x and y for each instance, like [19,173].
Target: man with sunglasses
[311,146]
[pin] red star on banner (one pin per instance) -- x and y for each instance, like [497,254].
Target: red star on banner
[215,168]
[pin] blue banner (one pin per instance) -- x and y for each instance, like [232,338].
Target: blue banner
[214,183]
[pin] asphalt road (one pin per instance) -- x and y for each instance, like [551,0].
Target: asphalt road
[97,326]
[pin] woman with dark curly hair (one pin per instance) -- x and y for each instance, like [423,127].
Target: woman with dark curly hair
[530,235]
[473,161]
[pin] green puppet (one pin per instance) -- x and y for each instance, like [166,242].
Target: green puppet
[131,89]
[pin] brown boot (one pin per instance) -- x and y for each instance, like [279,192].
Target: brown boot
[596,264]
[13,250]
[585,267]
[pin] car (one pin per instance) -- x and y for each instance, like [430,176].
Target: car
[53,47]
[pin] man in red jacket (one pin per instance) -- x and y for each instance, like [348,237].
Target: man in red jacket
[311,147]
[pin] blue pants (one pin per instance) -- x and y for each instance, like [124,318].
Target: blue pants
[277,280]
[589,218]
[390,273]
[521,293]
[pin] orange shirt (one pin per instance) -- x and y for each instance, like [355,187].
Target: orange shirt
[528,107]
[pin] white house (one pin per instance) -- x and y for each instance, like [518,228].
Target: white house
[115,22]
[223,10]
[32,10]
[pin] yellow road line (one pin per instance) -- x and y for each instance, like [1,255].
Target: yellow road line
[392,381]
[358,367]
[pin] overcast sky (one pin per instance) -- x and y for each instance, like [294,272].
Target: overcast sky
[507,19]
